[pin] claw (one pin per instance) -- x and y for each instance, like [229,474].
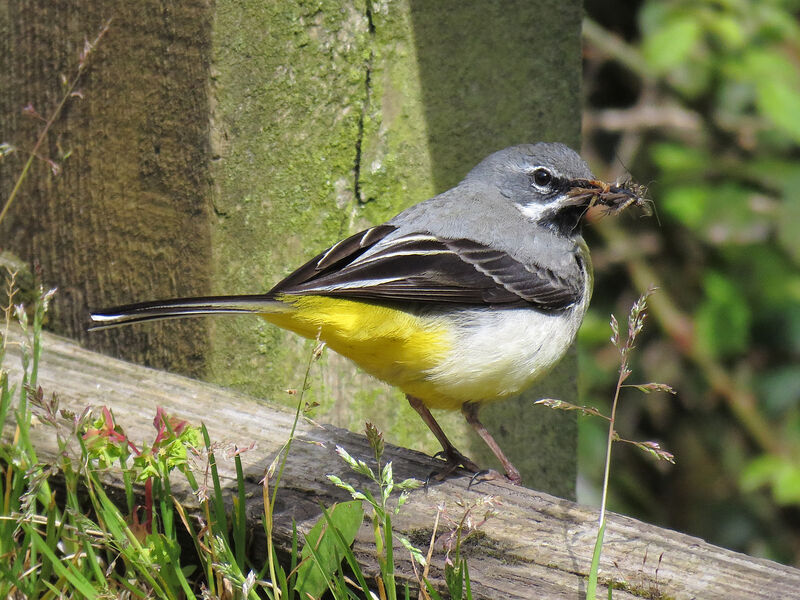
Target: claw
[485,475]
[490,475]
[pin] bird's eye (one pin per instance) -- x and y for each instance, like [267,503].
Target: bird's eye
[542,177]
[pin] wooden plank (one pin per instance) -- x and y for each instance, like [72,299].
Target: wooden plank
[537,546]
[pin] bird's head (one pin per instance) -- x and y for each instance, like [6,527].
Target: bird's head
[552,186]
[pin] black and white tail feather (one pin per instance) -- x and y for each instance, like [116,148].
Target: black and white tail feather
[183,307]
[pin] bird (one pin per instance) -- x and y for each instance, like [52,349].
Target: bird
[465,298]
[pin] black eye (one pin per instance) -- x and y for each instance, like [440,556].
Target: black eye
[542,177]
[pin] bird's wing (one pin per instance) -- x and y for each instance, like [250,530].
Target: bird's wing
[421,267]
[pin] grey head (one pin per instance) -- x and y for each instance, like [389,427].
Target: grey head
[537,179]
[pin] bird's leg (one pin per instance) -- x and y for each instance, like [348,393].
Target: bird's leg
[470,412]
[453,456]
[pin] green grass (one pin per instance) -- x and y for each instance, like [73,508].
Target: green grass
[71,540]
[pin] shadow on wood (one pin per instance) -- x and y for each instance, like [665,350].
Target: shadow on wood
[537,546]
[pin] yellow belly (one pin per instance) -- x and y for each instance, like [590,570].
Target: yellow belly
[395,346]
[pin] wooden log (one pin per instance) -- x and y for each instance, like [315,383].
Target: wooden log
[537,545]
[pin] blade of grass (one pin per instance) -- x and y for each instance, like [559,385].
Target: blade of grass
[208,567]
[71,486]
[293,562]
[432,591]
[267,522]
[591,587]
[50,539]
[239,516]
[66,570]
[134,591]
[220,520]
[5,398]
[348,553]
[388,575]
[317,560]
[19,564]
[466,581]
[111,520]
[315,354]
[165,550]
[163,491]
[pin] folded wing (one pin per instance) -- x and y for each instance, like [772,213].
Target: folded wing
[421,267]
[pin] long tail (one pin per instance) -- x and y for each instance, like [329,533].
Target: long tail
[184,307]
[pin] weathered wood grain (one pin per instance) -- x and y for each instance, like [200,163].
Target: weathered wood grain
[537,546]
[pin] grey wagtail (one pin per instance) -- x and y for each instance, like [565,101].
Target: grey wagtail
[465,298]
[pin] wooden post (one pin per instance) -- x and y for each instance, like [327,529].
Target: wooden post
[217,146]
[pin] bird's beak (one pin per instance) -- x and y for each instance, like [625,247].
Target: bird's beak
[615,197]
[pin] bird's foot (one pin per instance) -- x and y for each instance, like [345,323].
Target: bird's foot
[454,461]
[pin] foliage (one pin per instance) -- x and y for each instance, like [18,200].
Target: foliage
[456,572]
[701,100]
[381,514]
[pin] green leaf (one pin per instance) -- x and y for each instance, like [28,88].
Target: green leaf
[777,84]
[790,217]
[594,570]
[671,44]
[454,577]
[782,475]
[680,159]
[722,324]
[728,30]
[728,218]
[759,472]
[63,569]
[779,101]
[315,572]
[687,203]
[653,14]
[786,489]
[432,591]
[416,553]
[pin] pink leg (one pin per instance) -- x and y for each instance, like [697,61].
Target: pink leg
[454,457]
[470,412]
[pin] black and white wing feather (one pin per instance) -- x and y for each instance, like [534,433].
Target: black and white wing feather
[375,265]
[421,267]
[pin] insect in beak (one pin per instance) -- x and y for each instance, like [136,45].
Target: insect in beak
[614,197]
